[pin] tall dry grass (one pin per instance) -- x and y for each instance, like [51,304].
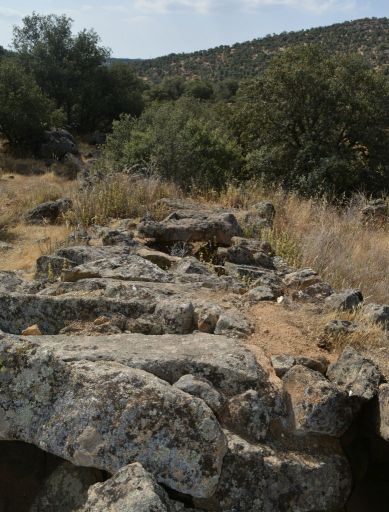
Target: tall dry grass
[120,196]
[333,240]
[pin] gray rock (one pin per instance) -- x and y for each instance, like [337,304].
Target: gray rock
[48,212]
[341,327]
[246,272]
[348,300]
[256,478]
[191,265]
[253,244]
[202,388]
[317,405]
[282,363]
[301,279]
[192,226]
[51,314]
[81,254]
[51,265]
[233,324]
[355,375]
[130,489]
[249,415]
[57,144]
[377,313]
[126,268]
[266,210]
[118,237]
[228,365]
[11,282]
[163,260]
[270,279]
[239,254]
[206,316]
[176,317]
[259,294]
[104,414]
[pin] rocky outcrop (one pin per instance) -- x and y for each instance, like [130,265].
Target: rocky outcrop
[48,212]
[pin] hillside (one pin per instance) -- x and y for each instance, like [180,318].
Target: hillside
[369,37]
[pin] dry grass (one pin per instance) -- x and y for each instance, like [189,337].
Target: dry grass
[120,196]
[334,241]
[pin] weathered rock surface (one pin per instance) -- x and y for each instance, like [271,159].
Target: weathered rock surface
[57,144]
[192,226]
[278,481]
[228,365]
[382,416]
[301,279]
[130,489]
[105,415]
[202,388]
[317,405]
[125,268]
[355,375]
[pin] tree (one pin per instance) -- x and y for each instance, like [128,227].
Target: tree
[25,111]
[317,122]
[61,63]
[109,92]
[200,89]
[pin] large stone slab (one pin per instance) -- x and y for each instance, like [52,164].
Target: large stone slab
[227,364]
[192,226]
[105,415]
[51,314]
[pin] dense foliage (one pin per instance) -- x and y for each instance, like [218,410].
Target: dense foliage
[369,37]
[24,110]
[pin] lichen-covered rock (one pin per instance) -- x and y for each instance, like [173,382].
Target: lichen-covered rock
[192,226]
[103,414]
[249,415]
[118,237]
[191,265]
[355,375]
[11,282]
[316,405]
[202,388]
[125,268]
[176,317]
[348,300]
[282,363]
[228,365]
[51,314]
[256,478]
[130,489]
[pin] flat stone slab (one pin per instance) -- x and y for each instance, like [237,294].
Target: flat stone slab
[227,364]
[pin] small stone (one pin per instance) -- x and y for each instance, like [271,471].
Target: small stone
[282,363]
[202,388]
[33,330]
[348,300]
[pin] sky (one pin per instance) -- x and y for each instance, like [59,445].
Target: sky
[149,28]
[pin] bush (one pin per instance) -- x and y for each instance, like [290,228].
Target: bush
[181,141]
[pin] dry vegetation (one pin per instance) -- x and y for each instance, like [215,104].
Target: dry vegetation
[334,241]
